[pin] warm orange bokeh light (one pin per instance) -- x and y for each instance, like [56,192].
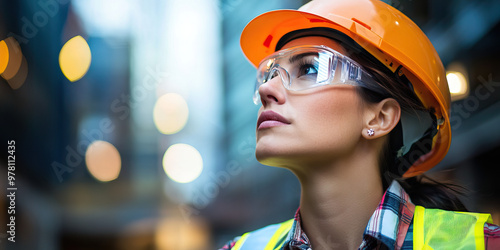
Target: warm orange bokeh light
[103,161]
[4,56]
[13,64]
[18,80]
[182,233]
[15,58]
[458,84]
[75,58]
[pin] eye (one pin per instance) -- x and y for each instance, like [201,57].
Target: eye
[274,74]
[307,69]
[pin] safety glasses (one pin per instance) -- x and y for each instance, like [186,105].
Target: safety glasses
[305,67]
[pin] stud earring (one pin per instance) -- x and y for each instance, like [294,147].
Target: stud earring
[370,132]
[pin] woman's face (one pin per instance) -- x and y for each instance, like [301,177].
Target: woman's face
[317,125]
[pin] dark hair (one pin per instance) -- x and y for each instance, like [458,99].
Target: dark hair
[422,189]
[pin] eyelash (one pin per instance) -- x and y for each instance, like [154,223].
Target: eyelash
[304,64]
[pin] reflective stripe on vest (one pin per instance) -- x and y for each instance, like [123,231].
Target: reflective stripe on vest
[440,229]
[266,238]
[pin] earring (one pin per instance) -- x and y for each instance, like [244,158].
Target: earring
[371,132]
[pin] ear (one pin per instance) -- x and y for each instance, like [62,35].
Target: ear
[381,117]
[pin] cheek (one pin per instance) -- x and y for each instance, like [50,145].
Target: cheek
[334,116]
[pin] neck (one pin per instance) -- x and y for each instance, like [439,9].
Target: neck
[338,200]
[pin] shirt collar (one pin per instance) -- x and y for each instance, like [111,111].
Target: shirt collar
[388,224]
[390,221]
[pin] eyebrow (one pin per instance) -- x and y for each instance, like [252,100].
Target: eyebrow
[295,58]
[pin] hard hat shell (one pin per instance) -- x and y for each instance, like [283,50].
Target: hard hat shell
[385,33]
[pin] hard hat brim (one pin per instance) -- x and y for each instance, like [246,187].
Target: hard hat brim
[256,41]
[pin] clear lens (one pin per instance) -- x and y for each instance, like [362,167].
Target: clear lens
[306,67]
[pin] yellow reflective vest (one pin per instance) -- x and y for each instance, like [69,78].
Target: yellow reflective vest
[432,229]
[441,229]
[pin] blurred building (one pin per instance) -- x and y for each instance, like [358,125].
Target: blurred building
[103,97]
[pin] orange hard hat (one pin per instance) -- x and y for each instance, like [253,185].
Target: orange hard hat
[385,33]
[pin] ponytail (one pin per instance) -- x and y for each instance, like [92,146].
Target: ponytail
[430,193]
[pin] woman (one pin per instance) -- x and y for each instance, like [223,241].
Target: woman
[355,103]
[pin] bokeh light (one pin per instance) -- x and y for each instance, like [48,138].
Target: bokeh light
[20,77]
[182,163]
[13,64]
[459,88]
[75,58]
[180,233]
[4,58]
[170,113]
[14,59]
[103,161]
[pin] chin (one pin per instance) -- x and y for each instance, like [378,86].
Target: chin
[273,162]
[275,157]
[262,156]
[267,156]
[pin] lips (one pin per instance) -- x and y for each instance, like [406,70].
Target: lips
[270,119]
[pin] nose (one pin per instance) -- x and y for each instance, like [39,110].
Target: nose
[272,91]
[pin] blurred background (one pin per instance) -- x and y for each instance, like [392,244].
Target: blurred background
[133,122]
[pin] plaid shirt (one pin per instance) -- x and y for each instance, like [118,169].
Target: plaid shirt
[390,227]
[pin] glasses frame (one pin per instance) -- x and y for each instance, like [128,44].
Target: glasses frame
[351,72]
